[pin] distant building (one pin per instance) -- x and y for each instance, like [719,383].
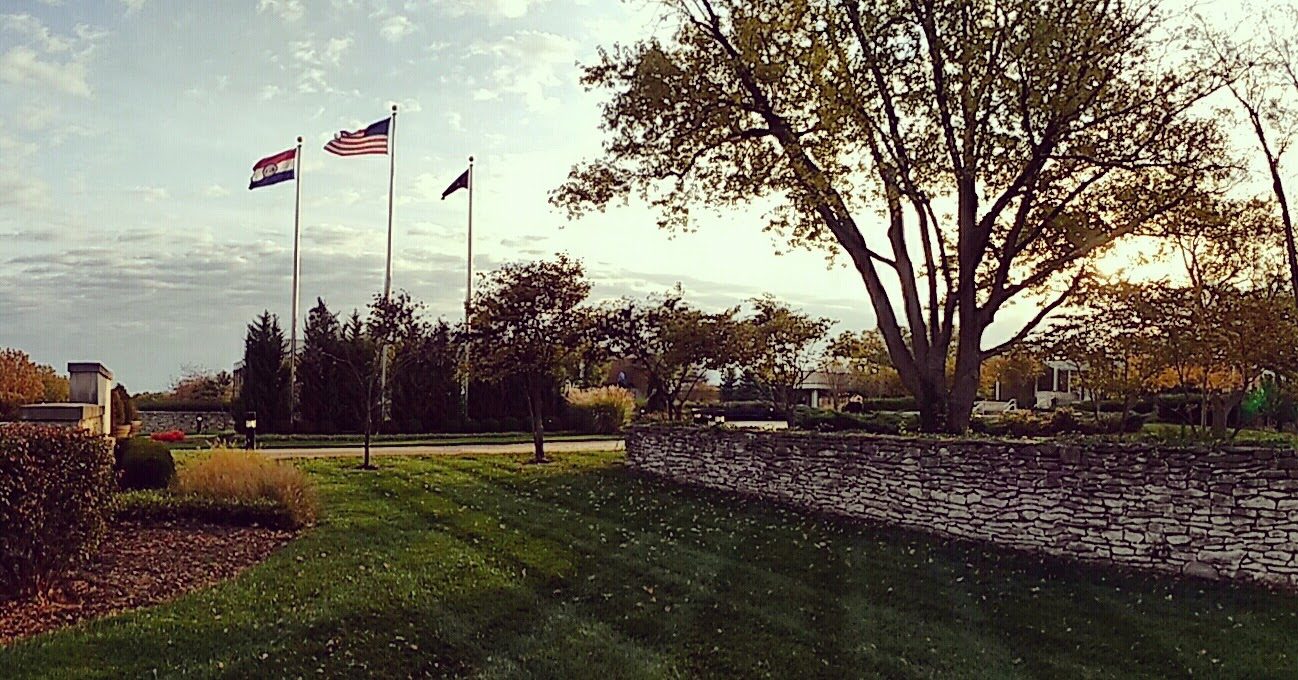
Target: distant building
[1056,386]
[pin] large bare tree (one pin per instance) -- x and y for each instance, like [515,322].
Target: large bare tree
[963,155]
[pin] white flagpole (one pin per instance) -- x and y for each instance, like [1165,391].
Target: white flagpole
[297,268]
[468,290]
[387,276]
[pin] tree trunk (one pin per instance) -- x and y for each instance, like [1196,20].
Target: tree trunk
[964,387]
[1219,415]
[538,423]
[369,419]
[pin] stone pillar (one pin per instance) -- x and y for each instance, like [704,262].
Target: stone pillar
[91,382]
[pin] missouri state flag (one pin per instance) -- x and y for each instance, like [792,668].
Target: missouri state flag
[274,169]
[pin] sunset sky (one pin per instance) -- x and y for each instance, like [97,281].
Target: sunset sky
[129,130]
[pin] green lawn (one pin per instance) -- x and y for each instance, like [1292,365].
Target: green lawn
[282,441]
[489,568]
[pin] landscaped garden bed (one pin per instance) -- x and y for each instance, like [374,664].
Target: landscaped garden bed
[140,564]
[88,529]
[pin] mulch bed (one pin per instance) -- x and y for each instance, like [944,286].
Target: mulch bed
[139,565]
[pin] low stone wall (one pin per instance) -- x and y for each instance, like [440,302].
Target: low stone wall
[186,421]
[1227,513]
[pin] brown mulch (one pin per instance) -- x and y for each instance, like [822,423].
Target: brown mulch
[140,565]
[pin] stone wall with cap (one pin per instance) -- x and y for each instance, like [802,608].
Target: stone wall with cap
[1228,513]
[185,421]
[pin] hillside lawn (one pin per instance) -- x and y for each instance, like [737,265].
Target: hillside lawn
[487,567]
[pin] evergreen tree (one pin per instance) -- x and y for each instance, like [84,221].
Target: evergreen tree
[425,391]
[355,354]
[729,383]
[317,371]
[265,374]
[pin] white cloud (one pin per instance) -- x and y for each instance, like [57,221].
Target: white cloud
[268,92]
[504,9]
[394,28]
[133,6]
[15,149]
[36,32]
[47,60]
[315,60]
[288,10]
[335,48]
[18,190]
[151,194]
[22,65]
[455,121]
[527,64]
[216,191]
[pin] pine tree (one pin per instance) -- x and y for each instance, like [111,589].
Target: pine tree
[265,374]
[425,391]
[317,371]
[729,383]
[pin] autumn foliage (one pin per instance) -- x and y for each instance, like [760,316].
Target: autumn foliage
[20,381]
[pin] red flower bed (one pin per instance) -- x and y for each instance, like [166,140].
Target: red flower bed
[168,436]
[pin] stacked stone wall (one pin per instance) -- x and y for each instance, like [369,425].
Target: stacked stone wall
[185,421]
[1226,513]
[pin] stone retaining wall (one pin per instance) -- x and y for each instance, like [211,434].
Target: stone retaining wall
[186,421]
[1226,513]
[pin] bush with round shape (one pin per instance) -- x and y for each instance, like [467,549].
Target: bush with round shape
[144,464]
[56,487]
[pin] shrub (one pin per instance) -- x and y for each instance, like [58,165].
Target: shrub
[144,464]
[1145,406]
[122,406]
[740,410]
[1062,421]
[838,421]
[602,410]
[162,506]
[168,436]
[247,476]
[889,404]
[55,490]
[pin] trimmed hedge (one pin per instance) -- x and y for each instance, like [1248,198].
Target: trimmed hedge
[838,421]
[55,490]
[144,464]
[876,404]
[1142,406]
[181,405]
[162,506]
[739,410]
[1058,422]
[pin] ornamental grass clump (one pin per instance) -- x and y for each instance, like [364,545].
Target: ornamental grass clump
[602,410]
[247,476]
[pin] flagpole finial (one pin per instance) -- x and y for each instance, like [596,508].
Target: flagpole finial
[394,108]
[299,139]
[470,159]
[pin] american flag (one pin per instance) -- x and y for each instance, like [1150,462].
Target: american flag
[371,140]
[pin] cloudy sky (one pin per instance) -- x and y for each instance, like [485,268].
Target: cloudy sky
[128,129]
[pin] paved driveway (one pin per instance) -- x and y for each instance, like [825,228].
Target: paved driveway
[446,449]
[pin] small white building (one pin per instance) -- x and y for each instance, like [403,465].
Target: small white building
[1057,386]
